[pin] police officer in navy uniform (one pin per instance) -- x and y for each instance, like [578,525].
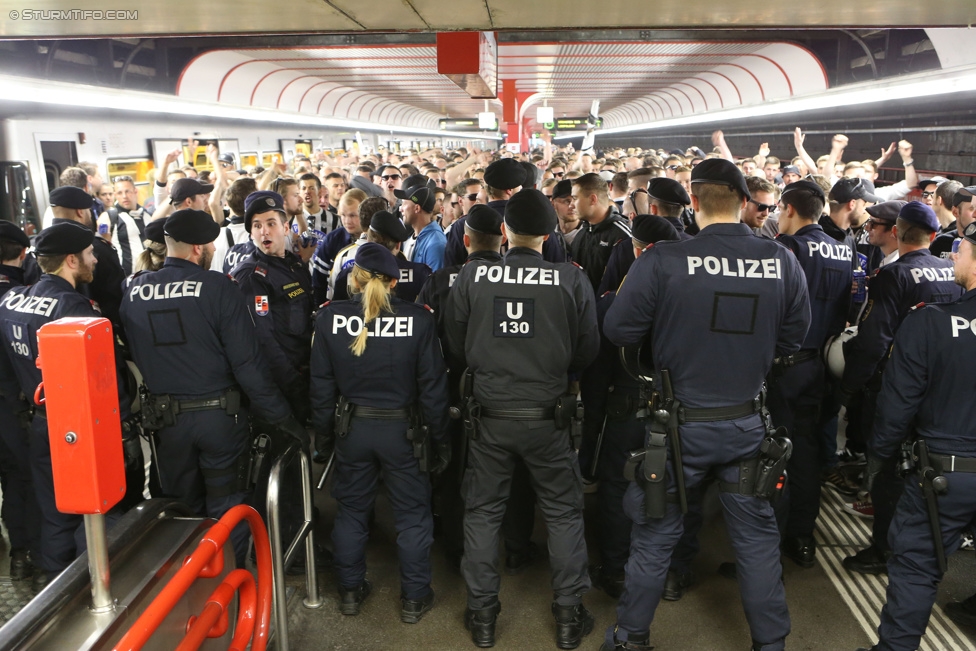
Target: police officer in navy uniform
[382,356]
[66,258]
[185,317]
[20,510]
[278,289]
[925,393]
[719,308]
[521,325]
[386,229]
[796,384]
[916,277]
[610,396]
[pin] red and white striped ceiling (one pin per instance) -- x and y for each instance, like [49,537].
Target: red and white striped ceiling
[399,84]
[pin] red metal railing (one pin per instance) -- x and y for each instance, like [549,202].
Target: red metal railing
[207,561]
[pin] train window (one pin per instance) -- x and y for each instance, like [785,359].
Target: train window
[17,201]
[138,169]
[270,158]
[249,159]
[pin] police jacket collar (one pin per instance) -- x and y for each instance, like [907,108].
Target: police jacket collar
[497,205]
[722,228]
[271,259]
[57,281]
[919,253]
[809,228]
[521,250]
[493,256]
[14,273]
[968,296]
[235,219]
[179,262]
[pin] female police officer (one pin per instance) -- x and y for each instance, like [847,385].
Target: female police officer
[373,336]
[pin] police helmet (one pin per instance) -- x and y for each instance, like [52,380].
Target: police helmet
[833,352]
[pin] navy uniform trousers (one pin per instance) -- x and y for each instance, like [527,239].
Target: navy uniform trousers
[20,510]
[913,571]
[715,447]
[620,437]
[371,449]
[62,534]
[554,470]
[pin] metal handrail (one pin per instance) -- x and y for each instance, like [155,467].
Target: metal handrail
[282,559]
[207,561]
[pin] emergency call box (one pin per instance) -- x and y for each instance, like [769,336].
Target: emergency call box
[80,396]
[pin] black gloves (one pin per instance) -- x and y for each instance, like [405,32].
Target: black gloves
[875,466]
[290,427]
[324,446]
[442,456]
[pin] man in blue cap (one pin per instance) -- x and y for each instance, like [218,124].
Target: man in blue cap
[916,277]
[715,310]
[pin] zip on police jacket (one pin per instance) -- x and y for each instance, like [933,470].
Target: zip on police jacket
[401,366]
[192,337]
[521,324]
[592,247]
[719,307]
[828,266]
[925,383]
[916,277]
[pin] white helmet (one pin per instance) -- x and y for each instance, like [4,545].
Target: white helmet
[833,352]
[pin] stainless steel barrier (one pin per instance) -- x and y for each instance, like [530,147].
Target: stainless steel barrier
[281,556]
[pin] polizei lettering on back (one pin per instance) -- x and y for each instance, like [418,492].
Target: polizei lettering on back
[830,251]
[735,267]
[178,289]
[517,275]
[382,326]
[932,274]
[39,305]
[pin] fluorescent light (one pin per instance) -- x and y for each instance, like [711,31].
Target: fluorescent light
[545,114]
[928,84]
[23,89]
[487,120]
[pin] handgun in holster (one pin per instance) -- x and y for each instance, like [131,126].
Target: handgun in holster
[418,435]
[774,455]
[569,413]
[469,412]
[250,463]
[343,417]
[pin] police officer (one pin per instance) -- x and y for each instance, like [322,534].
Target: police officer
[610,395]
[386,229]
[278,290]
[185,316]
[916,277]
[66,259]
[718,308]
[20,510]
[522,325]
[926,383]
[382,357]
[796,384]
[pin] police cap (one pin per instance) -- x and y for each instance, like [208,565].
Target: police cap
[10,232]
[918,214]
[484,219]
[722,172]
[886,211]
[377,260]
[389,225]
[184,189]
[68,196]
[808,186]
[668,191]
[260,202]
[563,189]
[529,212]
[63,238]
[422,195]
[191,227]
[650,229]
[850,189]
[154,231]
[505,174]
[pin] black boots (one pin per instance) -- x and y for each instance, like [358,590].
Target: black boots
[411,610]
[481,623]
[572,623]
[350,601]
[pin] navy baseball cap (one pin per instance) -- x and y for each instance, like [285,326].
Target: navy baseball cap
[790,169]
[191,227]
[183,189]
[68,196]
[64,238]
[963,195]
[808,186]
[917,213]
[377,260]
[260,202]
[850,189]
[722,172]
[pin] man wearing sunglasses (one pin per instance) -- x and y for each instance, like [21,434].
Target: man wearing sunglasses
[916,277]
[881,233]
[390,181]
[761,205]
[947,210]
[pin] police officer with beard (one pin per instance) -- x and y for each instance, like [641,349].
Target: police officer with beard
[377,360]
[522,325]
[796,385]
[278,289]
[186,317]
[718,309]
[66,258]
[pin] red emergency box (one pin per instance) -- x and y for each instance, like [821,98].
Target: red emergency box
[80,395]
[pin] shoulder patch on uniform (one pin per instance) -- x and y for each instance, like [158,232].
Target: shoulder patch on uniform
[261,271]
[261,305]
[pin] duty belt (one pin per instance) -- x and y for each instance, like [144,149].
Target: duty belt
[381,414]
[712,414]
[797,358]
[529,413]
[199,405]
[952,463]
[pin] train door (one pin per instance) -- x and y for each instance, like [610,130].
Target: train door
[57,155]
[18,203]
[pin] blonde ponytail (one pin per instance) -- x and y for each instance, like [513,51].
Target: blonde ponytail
[151,258]
[376,299]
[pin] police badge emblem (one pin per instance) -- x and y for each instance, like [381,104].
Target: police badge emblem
[261,305]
